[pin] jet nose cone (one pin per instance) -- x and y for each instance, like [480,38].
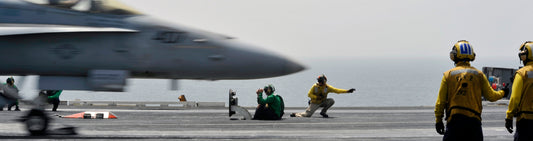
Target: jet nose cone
[293,67]
[254,62]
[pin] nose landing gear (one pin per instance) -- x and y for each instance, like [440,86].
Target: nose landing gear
[36,122]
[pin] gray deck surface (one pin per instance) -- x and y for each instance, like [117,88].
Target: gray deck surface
[357,123]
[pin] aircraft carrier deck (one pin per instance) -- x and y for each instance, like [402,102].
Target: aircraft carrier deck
[213,123]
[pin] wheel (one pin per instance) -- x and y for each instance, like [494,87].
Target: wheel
[36,122]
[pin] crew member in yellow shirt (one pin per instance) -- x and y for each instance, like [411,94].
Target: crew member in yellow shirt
[319,98]
[460,96]
[521,102]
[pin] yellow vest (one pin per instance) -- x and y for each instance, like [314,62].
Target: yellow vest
[464,91]
[319,93]
[525,108]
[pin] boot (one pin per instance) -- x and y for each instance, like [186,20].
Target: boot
[324,115]
[293,115]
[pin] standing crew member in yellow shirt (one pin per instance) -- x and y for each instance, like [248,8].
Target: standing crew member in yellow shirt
[521,102]
[460,96]
[319,98]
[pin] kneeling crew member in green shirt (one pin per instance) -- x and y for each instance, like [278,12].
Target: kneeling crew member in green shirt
[270,108]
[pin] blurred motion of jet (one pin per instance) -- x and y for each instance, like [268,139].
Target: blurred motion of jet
[97,44]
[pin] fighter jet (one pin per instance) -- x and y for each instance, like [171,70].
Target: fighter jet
[97,45]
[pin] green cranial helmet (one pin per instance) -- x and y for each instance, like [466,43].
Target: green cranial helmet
[269,86]
[10,80]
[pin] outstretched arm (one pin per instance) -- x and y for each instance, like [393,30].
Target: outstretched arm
[489,93]
[337,90]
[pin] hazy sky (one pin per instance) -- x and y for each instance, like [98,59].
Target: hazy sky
[357,28]
[352,29]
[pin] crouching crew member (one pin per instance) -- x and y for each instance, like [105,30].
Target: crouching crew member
[319,98]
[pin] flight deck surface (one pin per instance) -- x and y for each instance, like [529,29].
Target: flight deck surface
[356,123]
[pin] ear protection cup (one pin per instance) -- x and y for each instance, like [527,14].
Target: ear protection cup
[522,55]
[524,51]
[453,54]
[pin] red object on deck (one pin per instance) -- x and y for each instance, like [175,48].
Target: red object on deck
[78,115]
[93,115]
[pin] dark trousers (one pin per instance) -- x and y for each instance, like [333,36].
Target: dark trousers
[463,128]
[16,104]
[55,102]
[524,130]
[8,102]
[264,113]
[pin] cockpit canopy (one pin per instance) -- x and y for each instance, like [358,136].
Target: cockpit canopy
[93,6]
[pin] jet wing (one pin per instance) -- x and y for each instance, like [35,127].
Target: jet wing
[22,29]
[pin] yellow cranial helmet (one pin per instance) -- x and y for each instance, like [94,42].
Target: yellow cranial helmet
[462,51]
[525,51]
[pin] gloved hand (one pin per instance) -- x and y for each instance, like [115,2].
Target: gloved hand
[509,125]
[259,91]
[351,90]
[319,97]
[505,91]
[440,127]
